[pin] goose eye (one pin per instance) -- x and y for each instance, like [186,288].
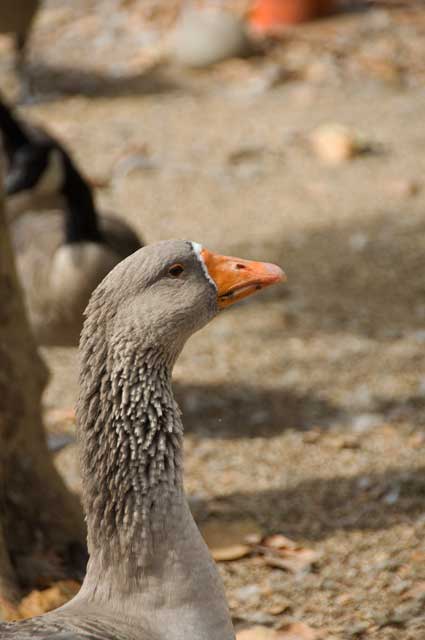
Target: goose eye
[176,270]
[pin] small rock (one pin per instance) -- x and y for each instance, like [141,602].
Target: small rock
[249,592]
[203,37]
[335,143]
[392,496]
[365,422]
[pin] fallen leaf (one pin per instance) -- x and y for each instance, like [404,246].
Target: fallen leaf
[279,541]
[293,560]
[229,540]
[282,552]
[277,609]
[39,602]
[297,631]
[232,552]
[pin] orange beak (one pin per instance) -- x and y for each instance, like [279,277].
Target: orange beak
[237,279]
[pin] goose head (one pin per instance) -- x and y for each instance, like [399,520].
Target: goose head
[35,175]
[169,290]
[36,166]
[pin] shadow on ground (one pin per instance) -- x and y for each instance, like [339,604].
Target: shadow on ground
[364,278]
[237,411]
[318,507]
[49,79]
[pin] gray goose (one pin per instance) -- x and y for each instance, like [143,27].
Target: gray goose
[62,255]
[150,575]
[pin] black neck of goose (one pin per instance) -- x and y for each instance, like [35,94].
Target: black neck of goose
[14,135]
[81,221]
[131,436]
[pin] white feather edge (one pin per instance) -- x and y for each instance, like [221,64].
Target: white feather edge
[197,248]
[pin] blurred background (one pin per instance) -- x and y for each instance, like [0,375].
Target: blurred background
[304,407]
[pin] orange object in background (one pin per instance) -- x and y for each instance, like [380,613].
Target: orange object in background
[268,16]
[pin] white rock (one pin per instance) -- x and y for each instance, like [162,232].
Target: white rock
[249,592]
[202,37]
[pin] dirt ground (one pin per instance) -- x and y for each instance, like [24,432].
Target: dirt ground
[305,406]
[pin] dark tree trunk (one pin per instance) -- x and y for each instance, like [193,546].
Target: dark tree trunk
[39,517]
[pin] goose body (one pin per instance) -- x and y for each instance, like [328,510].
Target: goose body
[150,575]
[58,278]
[65,250]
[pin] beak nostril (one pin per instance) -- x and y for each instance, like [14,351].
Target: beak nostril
[240,266]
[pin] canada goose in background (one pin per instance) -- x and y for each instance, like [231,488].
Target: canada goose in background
[150,575]
[16,17]
[62,254]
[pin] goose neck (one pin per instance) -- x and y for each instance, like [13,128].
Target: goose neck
[13,133]
[147,557]
[81,222]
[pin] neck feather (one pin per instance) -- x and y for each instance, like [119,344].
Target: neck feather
[81,223]
[131,435]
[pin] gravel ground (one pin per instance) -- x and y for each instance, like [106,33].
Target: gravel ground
[304,407]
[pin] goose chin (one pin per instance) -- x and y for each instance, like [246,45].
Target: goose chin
[239,293]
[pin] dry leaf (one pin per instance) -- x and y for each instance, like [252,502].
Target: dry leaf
[277,609]
[283,553]
[297,631]
[232,552]
[228,540]
[293,560]
[291,631]
[279,541]
[39,602]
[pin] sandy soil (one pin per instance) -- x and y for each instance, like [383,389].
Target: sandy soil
[304,407]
